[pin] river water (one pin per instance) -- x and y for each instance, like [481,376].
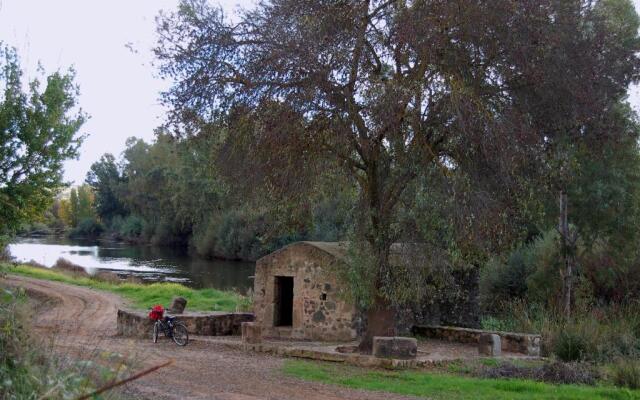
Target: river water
[151,263]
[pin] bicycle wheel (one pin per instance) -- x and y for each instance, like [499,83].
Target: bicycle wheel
[180,334]
[155,332]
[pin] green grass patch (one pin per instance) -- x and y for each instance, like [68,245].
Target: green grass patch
[143,296]
[446,386]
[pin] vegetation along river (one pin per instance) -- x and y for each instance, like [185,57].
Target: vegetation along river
[147,262]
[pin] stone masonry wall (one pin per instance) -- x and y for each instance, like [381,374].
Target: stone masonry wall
[318,311]
[523,343]
[137,323]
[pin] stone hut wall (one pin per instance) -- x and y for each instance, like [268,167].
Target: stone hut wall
[319,313]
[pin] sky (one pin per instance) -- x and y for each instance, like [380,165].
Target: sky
[119,88]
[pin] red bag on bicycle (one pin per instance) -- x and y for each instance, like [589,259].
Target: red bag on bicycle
[157,312]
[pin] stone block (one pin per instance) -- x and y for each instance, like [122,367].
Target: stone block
[178,305]
[533,345]
[395,347]
[251,333]
[489,344]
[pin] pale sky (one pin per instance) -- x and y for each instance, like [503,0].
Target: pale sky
[119,89]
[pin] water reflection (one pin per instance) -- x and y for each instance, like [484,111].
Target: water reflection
[148,262]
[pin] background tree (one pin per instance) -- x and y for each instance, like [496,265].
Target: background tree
[38,131]
[569,77]
[74,207]
[106,181]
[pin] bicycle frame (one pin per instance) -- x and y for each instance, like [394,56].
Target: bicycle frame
[165,327]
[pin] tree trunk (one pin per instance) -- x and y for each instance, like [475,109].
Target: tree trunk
[380,322]
[380,315]
[567,246]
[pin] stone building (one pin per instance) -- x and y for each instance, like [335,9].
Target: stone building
[297,294]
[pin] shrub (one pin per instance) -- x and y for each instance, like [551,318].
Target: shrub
[626,373]
[570,345]
[131,227]
[557,373]
[600,335]
[88,227]
[528,273]
[568,373]
[30,371]
[35,228]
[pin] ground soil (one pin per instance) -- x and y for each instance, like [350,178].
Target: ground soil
[82,322]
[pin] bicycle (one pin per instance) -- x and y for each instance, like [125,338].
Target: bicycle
[170,326]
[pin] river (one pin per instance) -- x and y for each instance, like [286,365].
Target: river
[151,263]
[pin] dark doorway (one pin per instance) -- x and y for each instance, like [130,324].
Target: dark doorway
[283,310]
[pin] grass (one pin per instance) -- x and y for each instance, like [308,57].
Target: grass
[31,369]
[143,296]
[447,386]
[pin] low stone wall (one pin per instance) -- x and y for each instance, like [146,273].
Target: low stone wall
[522,343]
[359,360]
[137,323]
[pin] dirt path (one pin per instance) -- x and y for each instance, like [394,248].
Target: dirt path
[84,321]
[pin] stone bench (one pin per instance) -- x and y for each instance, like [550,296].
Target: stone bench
[523,343]
[251,333]
[402,348]
[137,323]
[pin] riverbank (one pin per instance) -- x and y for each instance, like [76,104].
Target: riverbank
[149,263]
[141,296]
[208,369]
[81,324]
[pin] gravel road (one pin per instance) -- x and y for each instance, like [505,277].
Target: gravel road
[83,323]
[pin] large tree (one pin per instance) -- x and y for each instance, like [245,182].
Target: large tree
[383,89]
[568,78]
[38,132]
[106,180]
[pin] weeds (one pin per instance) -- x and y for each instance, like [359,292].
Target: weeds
[29,369]
[557,372]
[626,373]
[596,334]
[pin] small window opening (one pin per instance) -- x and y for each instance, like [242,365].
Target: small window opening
[283,315]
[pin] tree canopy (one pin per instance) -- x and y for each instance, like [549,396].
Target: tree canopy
[385,90]
[39,130]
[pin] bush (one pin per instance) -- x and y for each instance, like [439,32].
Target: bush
[88,227]
[238,235]
[570,345]
[557,373]
[600,335]
[626,373]
[35,228]
[30,371]
[131,227]
[528,273]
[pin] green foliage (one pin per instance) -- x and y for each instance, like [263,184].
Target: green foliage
[87,228]
[171,192]
[31,370]
[570,345]
[445,386]
[107,182]
[35,228]
[131,227]
[145,296]
[530,272]
[626,373]
[38,132]
[595,334]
